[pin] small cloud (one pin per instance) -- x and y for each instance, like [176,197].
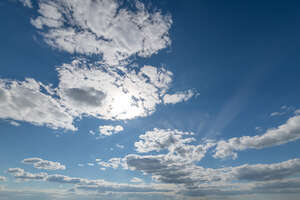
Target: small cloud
[108,130]
[258,128]
[80,165]
[92,132]
[102,168]
[2,178]
[120,146]
[39,163]
[98,160]
[26,3]
[136,180]
[14,123]
[90,164]
[273,114]
[178,97]
[297,112]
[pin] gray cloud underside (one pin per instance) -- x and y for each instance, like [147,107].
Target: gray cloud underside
[82,183]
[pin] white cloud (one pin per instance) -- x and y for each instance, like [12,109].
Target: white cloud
[273,114]
[14,123]
[288,132]
[178,97]
[136,180]
[297,112]
[26,3]
[44,164]
[110,130]
[111,93]
[90,164]
[120,146]
[25,101]
[103,27]
[2,178]
[85,89]
[83,183]
[176,142]
[112,163]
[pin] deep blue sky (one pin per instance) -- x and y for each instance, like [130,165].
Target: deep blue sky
[240,57]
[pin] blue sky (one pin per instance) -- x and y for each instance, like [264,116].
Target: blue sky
[149,100]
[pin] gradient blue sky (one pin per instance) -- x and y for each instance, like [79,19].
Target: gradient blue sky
[191,99]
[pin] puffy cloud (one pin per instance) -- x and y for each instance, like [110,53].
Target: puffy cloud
[287,132]
[44,164]
[2,178]
[110,130]
[26,101]
[175,141]
[112,93]
[178,97]
[85,89]
[160,139]
[297,112]
[104,27]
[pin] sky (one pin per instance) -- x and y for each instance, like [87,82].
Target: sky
[132,99]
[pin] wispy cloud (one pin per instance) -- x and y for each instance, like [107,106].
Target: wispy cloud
[287,132]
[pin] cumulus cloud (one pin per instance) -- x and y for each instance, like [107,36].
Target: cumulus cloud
[176,142]
[85,89]
[297,112]
[287,132]
[106,28]
[178,97]
[110,130]
[25,101]
[111,93]
[2,178]
[44,164]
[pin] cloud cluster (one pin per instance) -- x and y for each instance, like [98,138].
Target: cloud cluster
[44,164]
[287,132]
[105,27]
[85,89]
